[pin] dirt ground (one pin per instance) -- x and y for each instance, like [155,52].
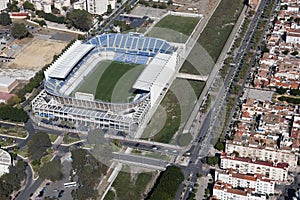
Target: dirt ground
[35,54]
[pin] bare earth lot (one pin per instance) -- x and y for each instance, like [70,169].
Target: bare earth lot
[35,54]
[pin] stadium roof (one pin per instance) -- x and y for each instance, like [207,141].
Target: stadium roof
[65,63]
[151,72]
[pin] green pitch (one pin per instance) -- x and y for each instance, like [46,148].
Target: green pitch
[174,28]
[111,81]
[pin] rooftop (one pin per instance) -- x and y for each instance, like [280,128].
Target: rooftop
[6,81]
[67,61]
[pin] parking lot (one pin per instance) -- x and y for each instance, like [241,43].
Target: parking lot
[56,189]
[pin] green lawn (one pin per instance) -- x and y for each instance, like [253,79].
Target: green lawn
[115,85]
[173,111]
[215,34]
[111,82]
[197,86]
[89,85]
[130,186]
[171,104]
[174,28]
[52,137]
[16,131]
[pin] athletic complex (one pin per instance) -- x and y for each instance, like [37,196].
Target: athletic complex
[60,99]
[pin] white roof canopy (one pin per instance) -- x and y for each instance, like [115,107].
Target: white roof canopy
[66,62]
[151,72]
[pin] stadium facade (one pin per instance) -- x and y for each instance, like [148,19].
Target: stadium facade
[57,102]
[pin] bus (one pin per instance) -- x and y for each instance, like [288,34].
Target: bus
[70,184]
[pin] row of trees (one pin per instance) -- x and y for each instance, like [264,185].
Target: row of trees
[89,170]
[79,19]
[12,181]
[289,99]
[19,31]
[38,145]
[13,114]
[5,19]
[50,17]
[167,184]
[51,170]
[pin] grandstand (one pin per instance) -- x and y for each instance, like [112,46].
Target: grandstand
[79,62]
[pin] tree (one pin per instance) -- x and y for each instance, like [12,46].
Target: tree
[294,53]
[13,7]
[28,6]
[219,145]
[5,19]
[167,184]
[38,145]
[13,114]
[80,19]
[19,31]
[109,10]
[212,160]
[12,181]
[51,170]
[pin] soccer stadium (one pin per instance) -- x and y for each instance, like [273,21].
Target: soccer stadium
[63,100]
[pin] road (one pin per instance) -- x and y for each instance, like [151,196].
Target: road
[143,161]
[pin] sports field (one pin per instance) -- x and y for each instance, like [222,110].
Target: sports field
[174,28]
[111,81]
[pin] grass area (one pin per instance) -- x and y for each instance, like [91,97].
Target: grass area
[174,28]
[171,126]
[7,142]
[130,186]
[90,83]
[52,137]
[110,78]
[197,86]
[173,111]
[16,131]
[216,32]
[68,139]
[111,82]
[23,153]
[184,139]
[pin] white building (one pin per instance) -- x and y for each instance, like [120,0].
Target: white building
[263,153]
[260,184]
[274,171]
[293,8]
[80,5]
[44,5]
[3,4]
[5,162]
[223,191]
[293,37]
[98,7]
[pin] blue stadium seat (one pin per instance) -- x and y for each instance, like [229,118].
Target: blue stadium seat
[164,48]
[152,43]
[112,38]
[120,57]
[120,50]
[145,46]
[134,43]
[118,40]
[140,43]
[142,60]
[124,38]
[103,40]
[130,58]
[129,43]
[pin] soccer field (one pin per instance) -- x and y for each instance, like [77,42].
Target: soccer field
[174,28]
[111,81]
